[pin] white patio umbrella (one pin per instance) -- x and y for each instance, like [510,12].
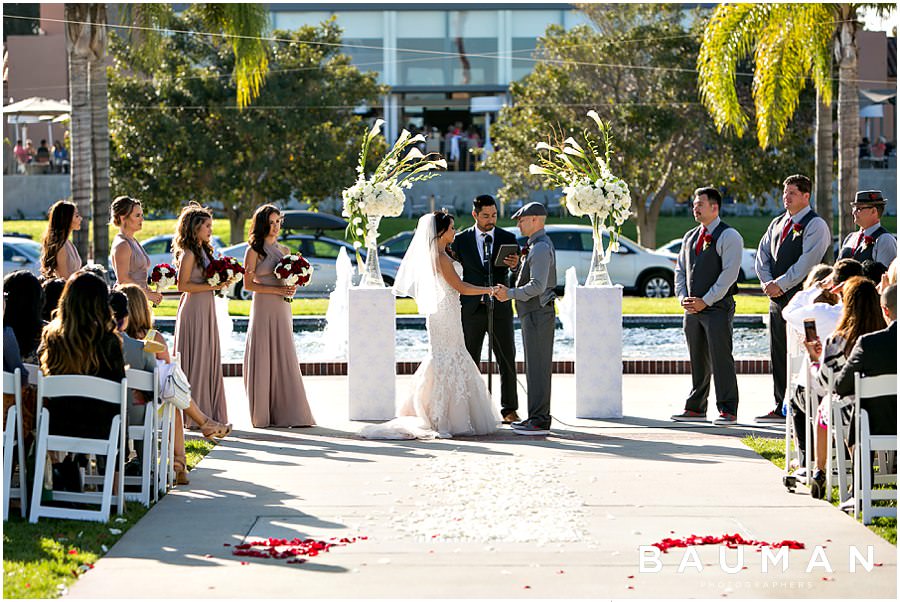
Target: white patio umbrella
[36,109]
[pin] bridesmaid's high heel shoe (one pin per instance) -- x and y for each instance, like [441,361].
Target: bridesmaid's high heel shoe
[215,430]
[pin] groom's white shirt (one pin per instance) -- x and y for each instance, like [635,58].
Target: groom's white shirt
[479,241]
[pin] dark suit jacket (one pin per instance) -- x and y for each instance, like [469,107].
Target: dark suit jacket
[873,354]
[465,248]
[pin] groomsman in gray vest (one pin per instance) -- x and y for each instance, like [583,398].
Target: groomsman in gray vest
[705,275]
[872,240]
[794,242]
[534,298]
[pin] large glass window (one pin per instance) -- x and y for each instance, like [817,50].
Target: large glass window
[421,48]
[363,39]
[527,27]
[294,20]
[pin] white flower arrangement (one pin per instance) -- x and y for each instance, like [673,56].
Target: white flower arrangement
[381,195]
[590,187]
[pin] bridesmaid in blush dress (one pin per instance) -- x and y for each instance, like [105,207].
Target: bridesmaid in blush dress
[59,257]
[128,258]
[196,333]
[272,376]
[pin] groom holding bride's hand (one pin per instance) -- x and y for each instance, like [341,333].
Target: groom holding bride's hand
[534,298]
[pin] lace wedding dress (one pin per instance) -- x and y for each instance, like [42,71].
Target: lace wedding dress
[448,395]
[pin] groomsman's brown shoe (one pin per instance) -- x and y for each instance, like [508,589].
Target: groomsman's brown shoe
[511,417]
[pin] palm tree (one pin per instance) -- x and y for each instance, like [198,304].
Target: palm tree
[243,24]
[789,42]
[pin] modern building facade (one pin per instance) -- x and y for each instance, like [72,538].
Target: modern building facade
[448,65]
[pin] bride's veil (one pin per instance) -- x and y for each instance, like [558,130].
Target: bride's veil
[418,273]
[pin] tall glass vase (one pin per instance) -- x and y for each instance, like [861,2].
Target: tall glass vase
[371,277]
[598,274]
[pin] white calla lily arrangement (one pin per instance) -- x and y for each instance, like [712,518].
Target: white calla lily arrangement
[382,194]
[582,171]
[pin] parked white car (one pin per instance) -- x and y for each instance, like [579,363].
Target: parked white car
[322,253]
[21,254]
[640,271]
[159,248]
[748,258]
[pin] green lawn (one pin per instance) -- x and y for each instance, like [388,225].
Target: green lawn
[746,304]
[773,450]
[42,560]
[751,228]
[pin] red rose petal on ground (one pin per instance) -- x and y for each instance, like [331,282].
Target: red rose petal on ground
[244,562]
[527,587]
[630,587]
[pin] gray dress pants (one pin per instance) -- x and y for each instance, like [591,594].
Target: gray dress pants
[538,327]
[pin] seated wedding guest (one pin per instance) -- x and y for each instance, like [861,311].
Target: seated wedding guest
[22,312]
[22,156]
[889,277]
[826,298]
[60,157]
[59,257]
[822,301]
[861,315]
[53,288]
[873,270]
[82,339]
[12,359]
[43,153]
[138,323]
[873,354]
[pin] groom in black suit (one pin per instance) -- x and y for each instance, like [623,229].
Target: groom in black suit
[476,248]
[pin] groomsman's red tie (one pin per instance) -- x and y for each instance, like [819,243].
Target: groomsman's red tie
[787,228]
[859,239]
[699,248]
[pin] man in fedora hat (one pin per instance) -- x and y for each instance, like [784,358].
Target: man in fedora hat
[534,298]
[872,240]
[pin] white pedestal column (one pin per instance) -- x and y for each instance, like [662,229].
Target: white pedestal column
[371,364]
[598,352]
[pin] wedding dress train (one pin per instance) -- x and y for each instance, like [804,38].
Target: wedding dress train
[448,395]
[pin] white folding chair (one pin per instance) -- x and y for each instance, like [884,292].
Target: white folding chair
[14,437]
[112,447]
[838,433]
[863,488]
[145,432]
[796,365]
[166,436]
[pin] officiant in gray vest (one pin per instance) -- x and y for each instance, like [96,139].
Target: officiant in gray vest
[794,242]
[705,283]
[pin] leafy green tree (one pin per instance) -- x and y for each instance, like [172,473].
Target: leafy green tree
[636,69]
[790,43]
[86,41]
[177,134]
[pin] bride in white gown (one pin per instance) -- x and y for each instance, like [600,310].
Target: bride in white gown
[448,396]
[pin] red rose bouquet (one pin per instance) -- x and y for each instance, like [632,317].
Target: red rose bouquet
[294,270]
[161,277]
[223,269]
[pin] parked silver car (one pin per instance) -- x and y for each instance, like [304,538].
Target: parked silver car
[21,254]
[322,253]
[748,258]
[159,248]
[640,271]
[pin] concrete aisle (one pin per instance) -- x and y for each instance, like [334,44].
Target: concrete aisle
[493,517]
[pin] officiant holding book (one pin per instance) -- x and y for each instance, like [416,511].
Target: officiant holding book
[478,250]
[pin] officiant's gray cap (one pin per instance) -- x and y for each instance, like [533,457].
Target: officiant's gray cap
[534,208]
[868,198]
